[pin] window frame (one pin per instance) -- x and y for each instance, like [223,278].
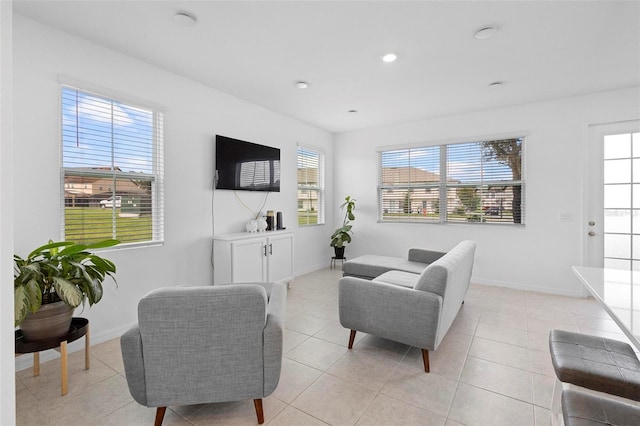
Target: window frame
[305,186]
[444,185]
[112,172]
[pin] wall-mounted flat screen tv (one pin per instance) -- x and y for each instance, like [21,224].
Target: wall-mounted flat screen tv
[246,166]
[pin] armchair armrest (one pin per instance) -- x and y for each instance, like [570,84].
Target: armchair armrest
[273,335]
[131,347]
[393,312]
[424,256]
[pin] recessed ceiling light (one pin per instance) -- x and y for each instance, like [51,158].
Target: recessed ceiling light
[485,33]
[496,84]
[389,57]
[185,19]
[302,85]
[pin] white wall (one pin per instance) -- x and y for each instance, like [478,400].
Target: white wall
[7,373]
[537,256]
[194,114]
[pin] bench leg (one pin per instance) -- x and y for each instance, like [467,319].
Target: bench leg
[556,405]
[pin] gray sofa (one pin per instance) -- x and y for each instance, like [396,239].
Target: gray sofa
[195,345]
[410,308]
[370,266]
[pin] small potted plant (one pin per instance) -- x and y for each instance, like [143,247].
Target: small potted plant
[52,281]
[342,235]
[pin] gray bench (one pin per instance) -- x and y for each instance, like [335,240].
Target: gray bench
[596,363]
[371,266]
[582,409]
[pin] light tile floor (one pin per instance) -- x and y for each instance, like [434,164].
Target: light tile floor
[492,368]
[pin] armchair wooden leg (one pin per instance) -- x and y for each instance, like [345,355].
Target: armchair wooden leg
[425,360]
[160,415]
[352,337]
[258,404]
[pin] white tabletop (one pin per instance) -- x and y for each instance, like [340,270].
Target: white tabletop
[619,293]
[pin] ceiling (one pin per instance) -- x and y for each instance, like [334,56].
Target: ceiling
[258,50]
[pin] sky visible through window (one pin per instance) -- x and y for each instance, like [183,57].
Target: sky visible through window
[463,162]
[100,133]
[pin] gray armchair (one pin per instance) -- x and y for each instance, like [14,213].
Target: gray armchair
[414,309]
[195,345]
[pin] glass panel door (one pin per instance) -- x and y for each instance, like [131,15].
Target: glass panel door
[613,196]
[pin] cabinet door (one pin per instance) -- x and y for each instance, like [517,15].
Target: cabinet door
[248,261]
[280,250]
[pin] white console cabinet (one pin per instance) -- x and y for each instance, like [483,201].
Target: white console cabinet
[253,257]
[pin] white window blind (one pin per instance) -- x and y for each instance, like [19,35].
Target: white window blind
[409,184]
[112,170]
[310,187]
[477,182]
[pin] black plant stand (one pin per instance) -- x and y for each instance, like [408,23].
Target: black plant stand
[334,258]
[79,327]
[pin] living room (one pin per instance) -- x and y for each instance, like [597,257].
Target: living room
[535,256]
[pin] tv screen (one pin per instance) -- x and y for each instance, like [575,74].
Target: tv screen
[246,166]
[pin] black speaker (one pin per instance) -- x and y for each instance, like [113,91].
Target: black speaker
[279,221]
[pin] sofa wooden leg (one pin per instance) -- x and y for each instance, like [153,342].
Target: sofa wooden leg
[160,415]
[352,337]
[425,360]
[258,404]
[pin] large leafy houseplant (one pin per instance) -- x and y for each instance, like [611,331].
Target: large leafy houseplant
[342,235]
[60,271]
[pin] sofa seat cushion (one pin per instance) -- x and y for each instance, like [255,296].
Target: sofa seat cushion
[370,266]
[401,278]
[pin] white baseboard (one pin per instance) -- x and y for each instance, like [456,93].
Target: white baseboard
[528,287]
[312,269]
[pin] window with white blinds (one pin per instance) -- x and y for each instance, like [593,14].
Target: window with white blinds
[310,187]
[473,182]
[112,170]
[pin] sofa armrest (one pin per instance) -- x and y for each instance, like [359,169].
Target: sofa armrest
[424,256]
[392,312]
[131,347]
[273,335]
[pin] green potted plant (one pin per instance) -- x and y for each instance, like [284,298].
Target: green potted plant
[53,280]
[342,235]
